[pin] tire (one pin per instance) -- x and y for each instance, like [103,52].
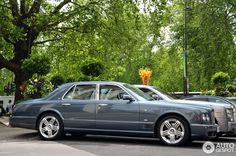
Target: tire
[173,130]
[50,126]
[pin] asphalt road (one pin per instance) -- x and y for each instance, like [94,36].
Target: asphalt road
[23,142]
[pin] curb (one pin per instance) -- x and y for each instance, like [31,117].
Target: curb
[4,120]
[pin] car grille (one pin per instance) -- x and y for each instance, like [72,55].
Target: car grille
[234,114]
[213,117]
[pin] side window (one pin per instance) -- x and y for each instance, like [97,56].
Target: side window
[109,92]
[150,93]
[81,92]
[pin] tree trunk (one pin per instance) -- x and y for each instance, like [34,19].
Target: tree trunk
[20,78]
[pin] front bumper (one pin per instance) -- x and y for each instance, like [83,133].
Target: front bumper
[201,131]
[232,127]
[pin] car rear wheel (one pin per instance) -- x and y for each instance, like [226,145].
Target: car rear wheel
[173,130]
[50,126]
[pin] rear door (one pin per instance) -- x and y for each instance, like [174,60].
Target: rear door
[78,106]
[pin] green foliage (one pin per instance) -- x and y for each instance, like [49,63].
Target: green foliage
[57,80]
[231,88]
[220,79]
[122,36]
[38,87]
[221,91]
[209,92]
[93,69]
[36,64]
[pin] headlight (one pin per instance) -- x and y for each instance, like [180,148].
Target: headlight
[206,118]
[230,114]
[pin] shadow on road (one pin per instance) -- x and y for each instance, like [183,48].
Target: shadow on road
[107,140]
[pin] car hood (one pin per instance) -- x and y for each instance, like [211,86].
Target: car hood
[173,104]
[202,103]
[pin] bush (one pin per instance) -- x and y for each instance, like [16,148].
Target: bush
[38,87]
[220,79]
[36,64]
[208,92]
[57,81]
[231,88]
[221,91]
[93,69]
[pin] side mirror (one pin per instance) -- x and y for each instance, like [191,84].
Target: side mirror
[156,97]
[127,97]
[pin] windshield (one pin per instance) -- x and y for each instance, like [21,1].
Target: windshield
[137,91]
[164,93]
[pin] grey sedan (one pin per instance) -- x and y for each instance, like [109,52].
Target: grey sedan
[113,108]
[224,112]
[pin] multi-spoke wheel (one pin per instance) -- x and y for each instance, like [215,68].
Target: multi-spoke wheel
[50,126]
[173,130]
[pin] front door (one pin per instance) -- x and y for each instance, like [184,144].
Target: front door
[114,113]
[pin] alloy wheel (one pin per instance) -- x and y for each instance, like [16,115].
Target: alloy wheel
[172,131]
[49,127]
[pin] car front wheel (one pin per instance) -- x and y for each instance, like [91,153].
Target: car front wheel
[50,126]
[173,130]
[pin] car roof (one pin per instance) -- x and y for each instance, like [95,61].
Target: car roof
[93,82]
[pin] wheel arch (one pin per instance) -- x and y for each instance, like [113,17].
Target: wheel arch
[170,114]
[47,112]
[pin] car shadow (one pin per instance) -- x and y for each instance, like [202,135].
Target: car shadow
[26,136]
[107,140]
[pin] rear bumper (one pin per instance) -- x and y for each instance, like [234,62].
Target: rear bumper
[22,122]
[200,131]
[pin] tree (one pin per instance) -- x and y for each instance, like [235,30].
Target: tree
[27,23]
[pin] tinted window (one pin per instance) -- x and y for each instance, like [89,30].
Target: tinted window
[149,92]
[109,92]
[138,92]
[81,92]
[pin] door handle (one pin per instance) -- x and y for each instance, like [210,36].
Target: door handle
[66,104]
[103,104]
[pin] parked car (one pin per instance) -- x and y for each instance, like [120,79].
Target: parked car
[232,100]
[113,108]
[224,113]
[6,103]
[215,99]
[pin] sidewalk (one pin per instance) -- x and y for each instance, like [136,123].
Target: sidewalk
[4,120]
